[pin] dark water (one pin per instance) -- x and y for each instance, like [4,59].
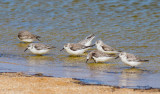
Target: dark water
[128,25]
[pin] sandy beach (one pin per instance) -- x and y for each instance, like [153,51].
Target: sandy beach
[19,83]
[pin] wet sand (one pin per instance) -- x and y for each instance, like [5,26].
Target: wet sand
[19,83]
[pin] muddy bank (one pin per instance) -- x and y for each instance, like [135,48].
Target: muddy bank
[19,83]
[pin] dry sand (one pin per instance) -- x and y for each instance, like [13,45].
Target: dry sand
[18,83]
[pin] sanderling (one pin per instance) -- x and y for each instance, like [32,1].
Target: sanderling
[38,48]
[27,36]
[105,48]
[88,40]
[75,48]
[99,56]
[130,59]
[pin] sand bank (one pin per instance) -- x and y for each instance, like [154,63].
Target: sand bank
[19,83]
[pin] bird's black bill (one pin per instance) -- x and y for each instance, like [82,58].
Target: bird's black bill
[117,57]
[25,49]
[87,60]
[62,49]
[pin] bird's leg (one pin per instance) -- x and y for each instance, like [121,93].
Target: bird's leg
[94,61]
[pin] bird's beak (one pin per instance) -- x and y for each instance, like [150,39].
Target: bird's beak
[87,60]
[62,49]
[25,49]
[117,57]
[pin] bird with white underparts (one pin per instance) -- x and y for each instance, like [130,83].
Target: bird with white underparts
[26,36]
[80,47]
[130,59]
[39,48]
[75,48]
[105,48]
[99,56]
[88,40]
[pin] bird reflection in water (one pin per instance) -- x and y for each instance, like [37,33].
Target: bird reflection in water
[39,60]
[40,64]
[100,66]
[21,46]
[100,69]
[129,77]
[72,59]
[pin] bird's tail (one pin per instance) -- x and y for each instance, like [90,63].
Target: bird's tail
[53,47]
[88,46]
[144,60]
[90,36]
[50,47]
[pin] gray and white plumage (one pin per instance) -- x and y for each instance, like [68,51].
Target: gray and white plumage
[39,48]
[88,40]
[105,48]
[130,59]
[27,36]
[76,48]
[99,56]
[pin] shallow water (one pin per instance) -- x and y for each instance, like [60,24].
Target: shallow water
[127,25]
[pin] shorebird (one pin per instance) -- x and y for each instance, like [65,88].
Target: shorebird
[88,40]
[27,36]
[38,48]
[99,56]
[105,48]
[75,48]
[130,59]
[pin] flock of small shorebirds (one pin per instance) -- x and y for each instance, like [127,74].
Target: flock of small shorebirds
[103,52]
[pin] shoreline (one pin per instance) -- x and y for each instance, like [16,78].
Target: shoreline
[17,82]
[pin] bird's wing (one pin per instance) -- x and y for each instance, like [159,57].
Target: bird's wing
[107,48]
[26,36]
[88,38]
[101,54]
[41,46]
[76,47]
[132,57]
